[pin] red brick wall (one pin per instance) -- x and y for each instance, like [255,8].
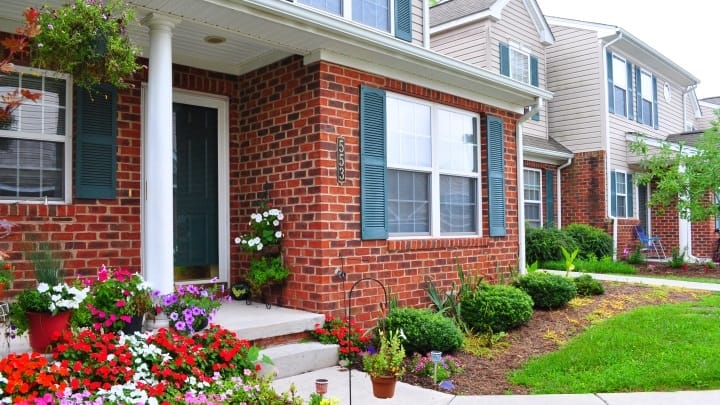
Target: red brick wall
[543,167]
[287,139]
[284,120]
[583,194]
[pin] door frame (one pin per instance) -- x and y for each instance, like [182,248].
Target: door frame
[221,104]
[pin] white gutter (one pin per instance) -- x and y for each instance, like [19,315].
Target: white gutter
[608,204]
[534,109]
[559,192]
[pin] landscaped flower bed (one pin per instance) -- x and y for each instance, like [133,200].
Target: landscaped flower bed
[211,367]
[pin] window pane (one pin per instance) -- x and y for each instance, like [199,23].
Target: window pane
[532,214]
[375,13]
[44,116]
[647,90]
[31,169]
[619,73]
[532,185]
[621,206]
[408,202]
[458,145]
[647,113]
[519,66]
[409,131]
[620,104]
[458,204]
[620,183]
[332,6]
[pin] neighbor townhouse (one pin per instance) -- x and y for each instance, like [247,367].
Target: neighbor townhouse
[389,160]
[511,37]
[611,87]
[708,107]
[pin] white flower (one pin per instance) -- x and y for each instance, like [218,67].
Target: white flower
[276,223]
[265,214]
[280,216]
[278,234]
[43,287]
[258,218]
[238,240]
[259,246]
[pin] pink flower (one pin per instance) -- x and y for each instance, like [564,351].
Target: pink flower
[126,318]
[120,304]
[103,274]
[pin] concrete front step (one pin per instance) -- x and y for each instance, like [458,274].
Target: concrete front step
[297,358]
[255,322]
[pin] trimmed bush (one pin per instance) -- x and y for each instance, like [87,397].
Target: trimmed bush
[548,291]
[587,286]
[543,244]
[590,240]
[496,308]
[425,330]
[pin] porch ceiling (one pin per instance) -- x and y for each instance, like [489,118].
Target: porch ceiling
[260,32]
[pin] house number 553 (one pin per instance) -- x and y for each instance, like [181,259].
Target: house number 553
[340,143]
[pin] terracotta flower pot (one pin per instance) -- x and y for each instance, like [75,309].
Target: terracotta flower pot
[384,386]
[43,326]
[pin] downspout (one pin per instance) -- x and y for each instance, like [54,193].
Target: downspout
[684,225]
[559,192]
[534,109]
[426,24]
[607,145]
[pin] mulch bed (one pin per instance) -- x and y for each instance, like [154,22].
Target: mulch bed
[688,270]
[544,333]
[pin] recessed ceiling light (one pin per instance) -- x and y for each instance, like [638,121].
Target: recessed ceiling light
[214,39]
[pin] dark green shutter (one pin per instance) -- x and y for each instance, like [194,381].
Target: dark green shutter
[534,79]
[630,90]
[611,89]
[403,20]
[613,194]
[549,198]
[630,187]
[96,157]
[656,123]
[496,175]
[638,94]
[504,60]
[373,188]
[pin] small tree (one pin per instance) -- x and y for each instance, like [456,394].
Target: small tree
[684,176]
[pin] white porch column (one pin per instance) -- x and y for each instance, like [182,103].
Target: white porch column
[158,161]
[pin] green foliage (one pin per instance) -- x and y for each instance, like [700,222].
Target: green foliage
[425,330]
[593,265]
[543,244]
[389,357]
[264,271]
[569,259]
[532,268]
[48,269]
[635,256]
[683,180]
[88,41]
[497,308]
[677,259]
[653,348]
[450,302]
[590,240]
[548,291]
[588,286]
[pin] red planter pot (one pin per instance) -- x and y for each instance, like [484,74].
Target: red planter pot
[43,326]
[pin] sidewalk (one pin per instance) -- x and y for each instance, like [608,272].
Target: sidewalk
[406,394]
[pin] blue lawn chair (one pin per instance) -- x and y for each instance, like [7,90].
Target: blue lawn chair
[650,242]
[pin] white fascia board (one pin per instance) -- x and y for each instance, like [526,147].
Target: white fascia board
[541,25]
[545,156]
[463,21]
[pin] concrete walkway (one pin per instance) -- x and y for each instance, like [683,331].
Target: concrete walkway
[406,394]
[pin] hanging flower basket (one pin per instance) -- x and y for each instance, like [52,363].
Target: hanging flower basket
[87,39]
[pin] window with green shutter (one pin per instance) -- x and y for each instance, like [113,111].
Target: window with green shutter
[96,130]
[373,164]
[496,175]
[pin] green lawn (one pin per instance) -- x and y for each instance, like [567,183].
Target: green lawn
[656,348]
[709,280]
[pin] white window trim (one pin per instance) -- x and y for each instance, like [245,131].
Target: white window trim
[514,46]
[436,172]
[67,138]
[623,194]
[540,201]
[644,72]
[346,15]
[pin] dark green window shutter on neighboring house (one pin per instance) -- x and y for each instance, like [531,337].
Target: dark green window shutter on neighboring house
[403,19]
[549,197]
[496,175]
[613,194]
[656,123]
[611,90]
[96,153]
[534,79]
[630,198]
[638,94]
[630,90]
[373,185]
[504,60]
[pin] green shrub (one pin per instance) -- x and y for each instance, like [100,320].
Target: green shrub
[587,286]
[548,291]
[590,240]
[425,330]
[497,308]
[543,244]
[593,265]
[635,256]
[678,259]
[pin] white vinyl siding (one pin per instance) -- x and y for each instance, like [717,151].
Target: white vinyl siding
[455,44]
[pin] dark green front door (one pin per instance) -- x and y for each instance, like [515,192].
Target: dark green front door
[195,185]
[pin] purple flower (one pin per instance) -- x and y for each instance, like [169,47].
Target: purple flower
[446,385]
[174,316]
[197,311]
[371,350]
[180,325]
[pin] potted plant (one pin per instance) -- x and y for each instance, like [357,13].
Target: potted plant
[44,311]
[385,366]
[190,308]
[118,301]
[264,272]
[265,233]
[89,40]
